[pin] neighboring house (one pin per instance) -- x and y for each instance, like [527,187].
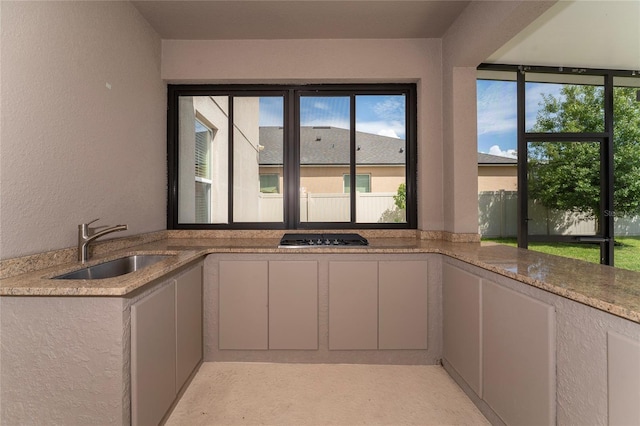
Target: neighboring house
[324,173]
[324,161]
[497,173]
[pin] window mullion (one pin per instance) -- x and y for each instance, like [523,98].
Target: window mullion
[230,167]
[607,181]
[292,159]
[352,156]
[523,192]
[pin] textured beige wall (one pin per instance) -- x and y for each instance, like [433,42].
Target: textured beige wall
[71,148]
[64,361]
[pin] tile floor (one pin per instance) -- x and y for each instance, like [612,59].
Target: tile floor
[323,394]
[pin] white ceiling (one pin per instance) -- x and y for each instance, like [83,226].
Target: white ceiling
[299,19]
[591,34]
[584,33]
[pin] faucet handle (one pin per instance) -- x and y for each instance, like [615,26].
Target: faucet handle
[94,220]
[85,230]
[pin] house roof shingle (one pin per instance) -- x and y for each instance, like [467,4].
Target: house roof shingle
[324,145]
[495,160]
[330,146]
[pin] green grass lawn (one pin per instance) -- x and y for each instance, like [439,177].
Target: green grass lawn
[626,252]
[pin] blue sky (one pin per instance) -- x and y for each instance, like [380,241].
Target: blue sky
[497,113]
[377,114]
[385,114]
[497,122]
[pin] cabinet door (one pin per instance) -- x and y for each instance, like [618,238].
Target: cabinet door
[188,324]
[153,356]
[461,324]
[518,355]
[243,302]
[353,305]
[623,359]
[402,314]
[293,305]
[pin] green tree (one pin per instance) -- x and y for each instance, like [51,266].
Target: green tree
[400,199]
[566,175]
[398,213]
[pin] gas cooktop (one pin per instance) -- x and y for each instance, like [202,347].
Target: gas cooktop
[322,240]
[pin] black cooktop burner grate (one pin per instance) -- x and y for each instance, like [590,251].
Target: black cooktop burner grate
[322,240]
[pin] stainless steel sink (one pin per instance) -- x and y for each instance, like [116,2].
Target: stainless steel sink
[114,268]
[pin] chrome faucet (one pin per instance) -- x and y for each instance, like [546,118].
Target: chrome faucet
[87,234]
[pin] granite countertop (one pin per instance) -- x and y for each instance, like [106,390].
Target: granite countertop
[609,289]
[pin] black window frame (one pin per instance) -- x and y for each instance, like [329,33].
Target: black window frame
[291,167]
[605,138]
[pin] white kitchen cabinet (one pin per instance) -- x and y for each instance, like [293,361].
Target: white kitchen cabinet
[461,324]
[353,305]
[623,365]
[378,305]
[166,344]
[502,344]
[518,356]
[402,304]
[268,305]
[153,356]
[188,324]
[243,305]
[293,305]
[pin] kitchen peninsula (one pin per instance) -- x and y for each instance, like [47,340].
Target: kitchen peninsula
[567,317]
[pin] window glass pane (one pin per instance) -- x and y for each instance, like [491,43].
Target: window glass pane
[363,183]
[564,103]
[203,202]
[497,154]
[203,157]
[564,188]
[204,135]
[258,146]
[381,157]
[324,158]
[626,144]
[269,183]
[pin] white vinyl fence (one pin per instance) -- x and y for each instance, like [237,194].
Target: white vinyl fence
[329,207]
[498,218]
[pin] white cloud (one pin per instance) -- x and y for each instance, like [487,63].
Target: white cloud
[392,107]
[497,105]
[497,108]
[393,129]
[389,133]
[321,105]
[496,150]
